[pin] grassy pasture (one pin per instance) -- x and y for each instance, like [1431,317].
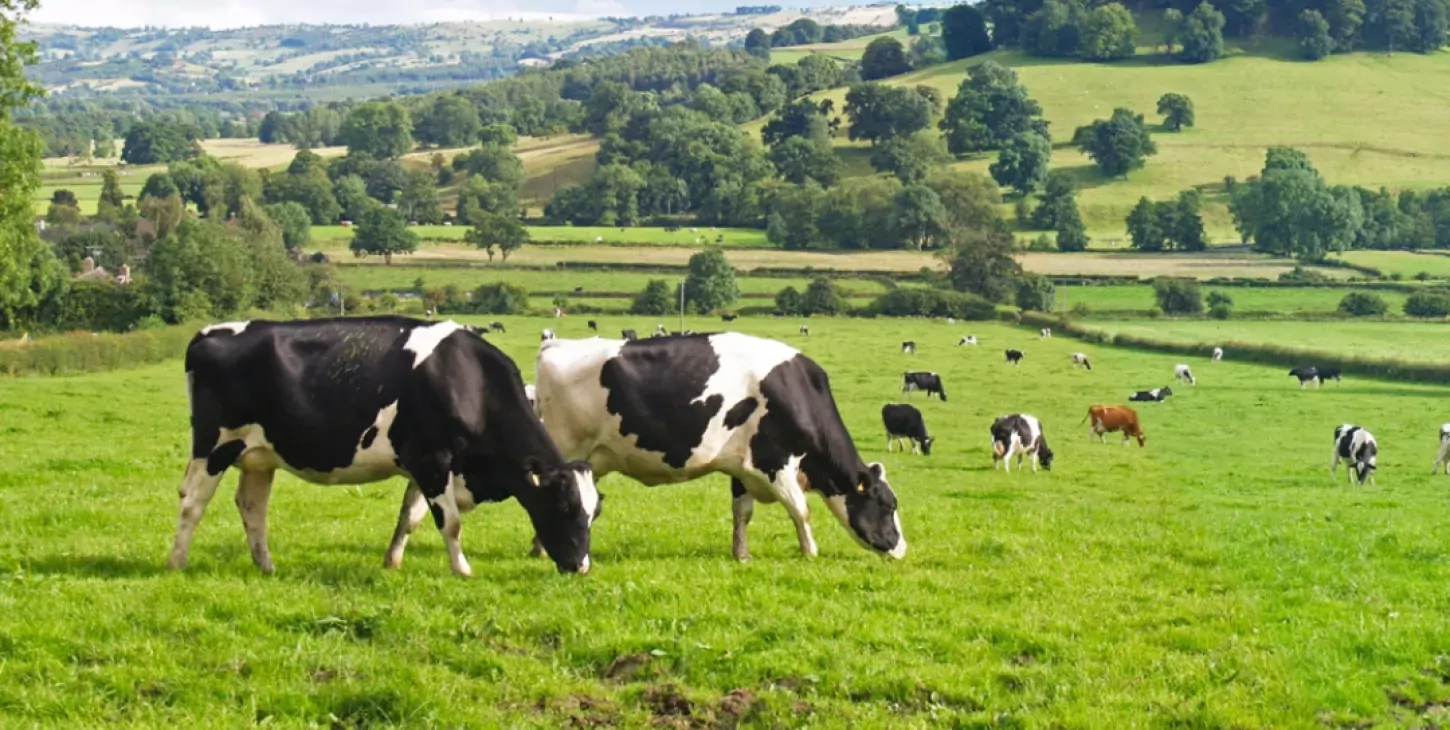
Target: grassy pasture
[1411,341]
[1158,586]
[1404,263]
[1139,298]
[397,277]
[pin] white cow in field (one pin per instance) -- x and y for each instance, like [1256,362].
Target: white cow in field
[968,340]
[1046,333]
[1217,354]
[1182,374]
[1080,358]
[1442,460]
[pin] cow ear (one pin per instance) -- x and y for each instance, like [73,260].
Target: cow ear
[534,469]
[878,470]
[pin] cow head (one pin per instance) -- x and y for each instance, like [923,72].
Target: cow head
[1164,392]
[870,513]
[1142,438]
[1365,467]
[565,505]
[1044,457]
[926,446]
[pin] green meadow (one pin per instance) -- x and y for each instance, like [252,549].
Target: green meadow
[1421,342]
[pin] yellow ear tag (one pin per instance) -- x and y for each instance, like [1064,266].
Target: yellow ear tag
[534,478]
[861,487]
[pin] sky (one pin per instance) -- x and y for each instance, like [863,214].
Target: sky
[239,13]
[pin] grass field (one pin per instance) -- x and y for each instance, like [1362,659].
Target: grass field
[1246,300]
[397,277]
[1217,578]
[1411,341]
[1404,263]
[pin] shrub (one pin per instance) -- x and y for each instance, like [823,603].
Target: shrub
[1428,304]
[1220,311]
[498,298]
[933,303]
[654,300]
[1302,274]
[788,301]
[1081,309]
[1422,276]
[1155,313]
[824,296]
[1363,304]
[1216,298]
[1178,295]
[85,352]
[1035,293]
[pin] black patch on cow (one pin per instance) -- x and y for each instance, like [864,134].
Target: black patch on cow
[369,436]
[1346,439]
[737,488]
[652,386]
[224,456]
[740,413]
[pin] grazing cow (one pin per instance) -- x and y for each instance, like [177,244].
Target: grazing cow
[1443,458]
[1306,375]
[1155,395]
[1014,357]
[805,329]
[968,340]
[356,401]
[629,335]
[1357,448]
[578,290]
[546,335]
[756,409]
[1106,419]
[593,326]
[496,327]
[903,422]
[909,347]
[1046,333]
[1019,434]
[1182,374]
[951,320]
[660,330]
[930,383]
[1328,373]
[728,317]
[1217,354]
[1079,358]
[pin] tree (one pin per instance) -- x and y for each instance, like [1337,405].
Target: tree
[418,200]
[964,32]
[1201,35]
[1071,233]
[1058,195]
[383,232]
[197,271]
[1145,227]
[1291,211]
[927,51]
[801,118]
[710,284]
[112,198]
[1345,19]
[788,301]
[1185,224]
[1035,293]
[159,142]
[1108,34]
[879,112]
[382,129]
[1119,144]
[450,121]
[1172,28]
[1055,29]
[1363,304]
[1427,304]
[158,185]
[983,261]
[799,159]
[294,221]
[1022,163]
[1312,33]
[1177,111]
[910,158]
[491,230]
[352,198]
[824,296]
[884,57]
[1432,19]
[1178,295]
[655,300]
[990,108]
[757,44]
[919,218]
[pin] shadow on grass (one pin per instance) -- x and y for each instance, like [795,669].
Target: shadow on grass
[96,566]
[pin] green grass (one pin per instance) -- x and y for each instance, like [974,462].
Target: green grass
[1423,342]
[1404,263]
[1216,578]
[1246,299]
[398,277]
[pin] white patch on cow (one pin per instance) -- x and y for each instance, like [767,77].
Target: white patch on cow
[1182,373]
[588,498]
[1443,458]
[235,328]
[422,341]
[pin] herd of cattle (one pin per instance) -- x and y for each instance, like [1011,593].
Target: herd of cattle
[360,400]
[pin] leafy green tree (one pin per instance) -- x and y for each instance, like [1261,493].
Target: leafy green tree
[1022,163]
[1055,29]
[795,213]
[1432,19]
[1185,226]
[970,199]
[1118,144]
[927,51]
[1035,293]
[656,298]
[789,302]
[1177,111]
[1312,33]
[990,108]
[710,284]
[824,296]
[418,200]
[1145,226]
[1201,35]
[856,213]
[1427,304]
[964,32]
[1108,33]
[799,159]
[294,221]
[1363,304]
[919,218]
[1345,17]
[1071,233]
[500,297]
[879,112]
[498,135]
[490,230]
[1178,295]
[197,271]
[450,121]
[352,198]
[757,44]
[884,57]
[1291,211]
[911,158]
[158,185]
[801,118]
[382,129]
[383,232]
[158,142]
[1058,195]
[983,261]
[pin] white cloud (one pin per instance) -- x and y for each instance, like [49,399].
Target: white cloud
[240,13]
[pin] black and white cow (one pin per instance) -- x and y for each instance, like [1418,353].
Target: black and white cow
[1079,358]
[728,317]
[909,347]
[355,401]
[1442,459]
[672,410]
[629,334]
[593,326]
[1329,373]
[930,383]
[1014,357]
[1154,395]
[1306,375]
[496,327]
[1019,434]
[547,335]
[968,340]
[1046,333]
[805,329]
[1182,374]
[904,422]
[1217,354]
[1357,448]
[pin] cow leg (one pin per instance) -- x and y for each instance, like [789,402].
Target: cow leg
[196,490]
[440,488]
[787,489]
[742,505]
[409,517]
[888,444]
[253,490]
[1334,467]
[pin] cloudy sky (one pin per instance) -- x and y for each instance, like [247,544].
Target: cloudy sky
[236,13]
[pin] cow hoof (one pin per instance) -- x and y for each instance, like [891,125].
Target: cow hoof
[267,568]
[177,562]
[742,556]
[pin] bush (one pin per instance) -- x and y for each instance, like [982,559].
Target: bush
[1220,311]
[85,352]
[1178,295]
[933,303]
[824,296]
[1155,313]
[1217,298]
[497,298]
[1081,309]
[1035,293]
[654,300]
[102,305]
[1428,304]
[1363,304]
[788,301]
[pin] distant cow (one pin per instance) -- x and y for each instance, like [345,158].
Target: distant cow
[1306,375]
[909,347]
[951,320]
[1443,458]
[358,401]
[1079,358]
[928,382]
[660,330]
[1047,333]
[1182,374]
[593,326]
[1155,395]
[904,422]
[729,317]
[496,327]
[578,290]
[805,329]
[628,334]
[546,335]
[1217,354]
[1106,419]
[1019,434]
[968,340]
[1014,357]
[1357,448]
[1328,373]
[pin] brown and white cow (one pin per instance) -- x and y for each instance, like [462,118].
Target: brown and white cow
[1106,419]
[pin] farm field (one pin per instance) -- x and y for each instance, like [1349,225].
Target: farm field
[399,277]
[1404,263]
[1426,342]
[1164,585]
[1139,298]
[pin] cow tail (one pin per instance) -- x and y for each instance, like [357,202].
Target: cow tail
[1085,418]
